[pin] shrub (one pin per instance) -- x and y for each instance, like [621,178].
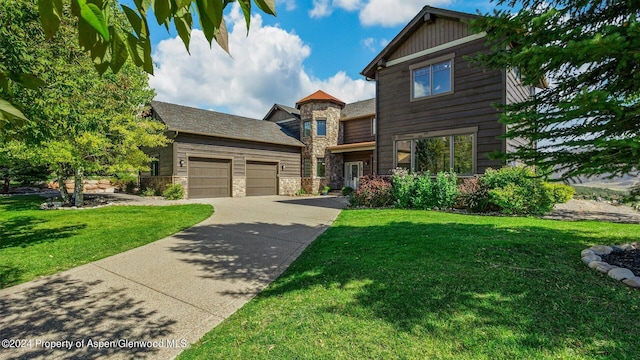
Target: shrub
[174,192]
[402,187]
[473,194]
[444,190]
[561,193]
[125,182]
[517,190]
[347,190]
[421,196]
[150,191]
[374,191]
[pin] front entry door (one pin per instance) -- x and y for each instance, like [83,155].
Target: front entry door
[352,174]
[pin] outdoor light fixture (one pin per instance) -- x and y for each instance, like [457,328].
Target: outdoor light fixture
[181,163]
[283,167]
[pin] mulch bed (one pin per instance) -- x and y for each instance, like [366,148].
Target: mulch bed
[626,259]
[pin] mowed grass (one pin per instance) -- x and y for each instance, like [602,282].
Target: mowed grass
[34,242]
[386,284]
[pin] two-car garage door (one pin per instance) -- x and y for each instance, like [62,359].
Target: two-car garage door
[212,178]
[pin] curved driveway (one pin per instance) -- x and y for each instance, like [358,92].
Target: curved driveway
[152,301]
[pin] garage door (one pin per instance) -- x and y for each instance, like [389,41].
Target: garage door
[209,178]
[262,178]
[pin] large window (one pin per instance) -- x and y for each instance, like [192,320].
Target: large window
[306,128]
[432,79]
[438,153]
[321,127]
[320,168]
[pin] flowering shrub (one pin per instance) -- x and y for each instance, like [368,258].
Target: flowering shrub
[473,194]
[374,191]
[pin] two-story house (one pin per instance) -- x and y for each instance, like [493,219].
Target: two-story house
[434,105]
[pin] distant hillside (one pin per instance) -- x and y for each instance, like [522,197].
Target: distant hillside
[621,183]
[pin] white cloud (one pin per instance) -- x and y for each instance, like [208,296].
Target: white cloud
[374,45]
[320,9]
[266,67]
[289,5]
[376,12]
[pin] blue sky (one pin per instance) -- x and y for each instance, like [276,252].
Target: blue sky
[309,45]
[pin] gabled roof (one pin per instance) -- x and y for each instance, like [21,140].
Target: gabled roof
[210,123]
[359,109]
[320,96]
[427,14]
[295,113]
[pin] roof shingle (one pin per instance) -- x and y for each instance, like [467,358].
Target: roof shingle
[359,109]
[203,122]
[320,96]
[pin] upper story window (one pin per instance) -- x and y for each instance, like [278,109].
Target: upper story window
[306,128]
[428,79]
[321,127]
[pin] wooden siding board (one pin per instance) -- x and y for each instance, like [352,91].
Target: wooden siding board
[515,92]
[430,35]
[475,90]
[238,151]
[356,131]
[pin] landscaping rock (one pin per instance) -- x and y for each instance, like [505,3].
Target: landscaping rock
[595,264]
[627,247]
[587,252]
[601,249]
[621,274]
[104,182]
[605,267]
[633,282]
[589,258]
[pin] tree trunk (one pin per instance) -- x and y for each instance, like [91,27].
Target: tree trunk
[7,181]
[78,190]
[63,189]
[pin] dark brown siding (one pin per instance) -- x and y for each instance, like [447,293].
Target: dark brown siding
[279,115]
[431,35]
[515,92]
[237,151]
[165,158]
[358,130]
[470,105]
[365,156]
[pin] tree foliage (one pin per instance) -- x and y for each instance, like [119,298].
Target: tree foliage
[80,122]
[587,120]
[110,43]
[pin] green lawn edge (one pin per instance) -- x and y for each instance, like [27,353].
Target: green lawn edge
[35,243]
[403,284]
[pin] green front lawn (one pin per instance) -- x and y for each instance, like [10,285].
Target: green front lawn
[34,242]
[383,284]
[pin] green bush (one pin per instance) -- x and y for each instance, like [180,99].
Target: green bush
[402,187]
[150,191]
[174,192]
[561,192]
[125,182]
[444,190]
[374,191]
[422,192]
[347,190]
[517,190]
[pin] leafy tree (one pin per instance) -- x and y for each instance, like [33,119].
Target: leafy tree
[587,120]
[110,43]
[81,122]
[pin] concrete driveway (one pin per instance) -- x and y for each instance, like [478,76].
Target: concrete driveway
[154,300]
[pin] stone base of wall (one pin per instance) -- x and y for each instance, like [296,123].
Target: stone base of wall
[239,188]
[182,180]
[289,185]
[314,185]
[155,182]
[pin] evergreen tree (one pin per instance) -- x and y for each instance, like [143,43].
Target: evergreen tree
[586,120]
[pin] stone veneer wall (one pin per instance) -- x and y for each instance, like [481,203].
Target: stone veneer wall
[182,180]
[239,188]
[316,146]
[289,185]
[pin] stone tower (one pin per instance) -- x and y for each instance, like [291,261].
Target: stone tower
[319,130]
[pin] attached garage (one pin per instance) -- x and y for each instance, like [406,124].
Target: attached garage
[209,178]
[262,178]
